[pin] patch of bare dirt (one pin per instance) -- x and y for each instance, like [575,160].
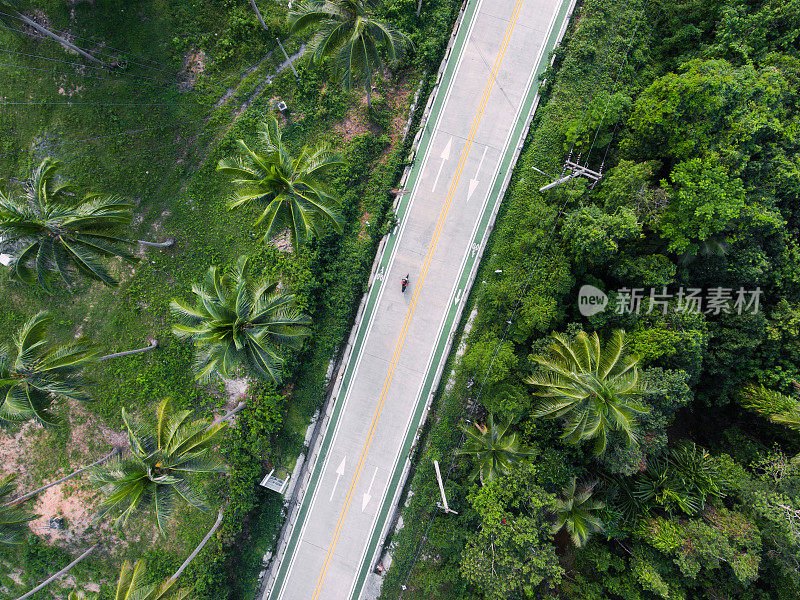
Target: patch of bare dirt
[88,434]
[282,242]
[236,389]
[356,123]
[16,577]
[65,90]
[74,505]
[365,223]
[399,99]
[194,65]
[76,499]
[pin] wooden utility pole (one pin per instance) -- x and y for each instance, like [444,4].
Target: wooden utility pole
[577,171]
[58,38]
[258,14]
[443,504]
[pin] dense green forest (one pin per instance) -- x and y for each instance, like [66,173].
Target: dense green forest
[137,124]
[650,449]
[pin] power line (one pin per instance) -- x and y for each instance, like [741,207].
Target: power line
[94,52]
[616,125]
[139,56]
[506,330]
[588,121]
[101,53]
[616,80]
[90,104]
[89,76]
[83,65]
[100,137]
[130,156]
[98,52]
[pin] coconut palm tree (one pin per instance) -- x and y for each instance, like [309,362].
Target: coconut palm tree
[60,573]
[131,585]
[32,374]
[12,517]
[576,512]
[682,481]
[778,408]
[163,457]
[287,189]
[75,473]
[596,389]
[234,324]
[56,232]
[775,406]
[348,32]
[496,450]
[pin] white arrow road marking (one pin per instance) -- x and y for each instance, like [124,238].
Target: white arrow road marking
[473,183]
[445,156]
[339,473]
[367,496]
[458,297]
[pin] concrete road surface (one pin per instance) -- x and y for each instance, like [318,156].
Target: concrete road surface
[478,119]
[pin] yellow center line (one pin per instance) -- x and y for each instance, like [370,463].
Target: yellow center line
[428,257]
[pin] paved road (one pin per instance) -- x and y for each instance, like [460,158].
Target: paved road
[487,92]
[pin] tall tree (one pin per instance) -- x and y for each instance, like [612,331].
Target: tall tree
[596,389]
[495,449]
[234,324]
[576,513]
[132,585]
[12,517]
[775,406]
[33,374]
[75,473]
[683,480]
[59,574]
[56,232]
[347,32]
[286,188]
[163,457]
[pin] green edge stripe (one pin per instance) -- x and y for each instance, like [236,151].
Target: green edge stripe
[387,253]
[518,132]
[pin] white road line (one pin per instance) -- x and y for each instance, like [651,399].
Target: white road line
[339,473]
[368,494]
[473,183]
[445,156]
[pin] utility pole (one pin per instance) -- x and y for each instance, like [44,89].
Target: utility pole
[288,60]
[577,171]
[443,504]
[44,31]
[258,14]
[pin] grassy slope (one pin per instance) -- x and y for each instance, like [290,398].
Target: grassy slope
[169,173]
[158,169]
